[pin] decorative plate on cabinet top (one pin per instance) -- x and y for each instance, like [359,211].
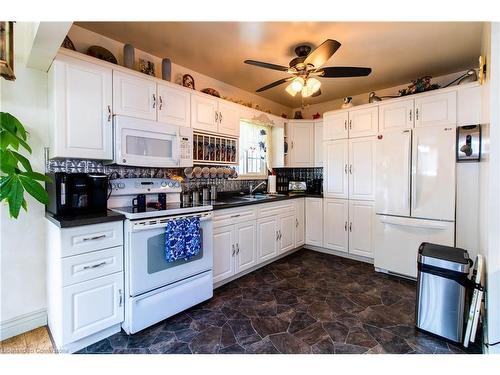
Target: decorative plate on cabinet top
[102,54]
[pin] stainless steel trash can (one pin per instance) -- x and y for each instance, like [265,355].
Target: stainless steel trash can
[442,290]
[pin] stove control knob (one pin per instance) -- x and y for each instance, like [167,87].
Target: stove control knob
[163,183]
[171,184]
[113,185]
[177,184]
[121,185]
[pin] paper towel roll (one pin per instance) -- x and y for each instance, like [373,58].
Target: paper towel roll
[271,184]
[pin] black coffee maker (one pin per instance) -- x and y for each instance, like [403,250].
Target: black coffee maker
[77,193]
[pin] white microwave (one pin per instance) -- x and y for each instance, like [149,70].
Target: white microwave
[145,143]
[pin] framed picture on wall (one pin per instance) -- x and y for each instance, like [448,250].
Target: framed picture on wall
[7,50]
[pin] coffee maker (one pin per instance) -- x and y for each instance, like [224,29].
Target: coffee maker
[72,194]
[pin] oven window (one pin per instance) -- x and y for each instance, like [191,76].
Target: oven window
[156,254]
[143,146]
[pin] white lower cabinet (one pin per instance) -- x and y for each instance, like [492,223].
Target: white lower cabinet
[300,225]
[92,306]
[234,249]
[348,226]
[267,238]
[335,222]
[314,221]
[286,232]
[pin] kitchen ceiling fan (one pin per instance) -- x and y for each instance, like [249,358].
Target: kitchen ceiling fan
[307,66]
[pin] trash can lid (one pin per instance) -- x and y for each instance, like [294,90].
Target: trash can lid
[445,257]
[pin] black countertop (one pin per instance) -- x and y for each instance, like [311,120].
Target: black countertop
[233,201]
[86,219]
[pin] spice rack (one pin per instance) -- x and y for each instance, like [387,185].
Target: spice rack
[214,149]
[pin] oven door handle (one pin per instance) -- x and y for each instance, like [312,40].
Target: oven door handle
[161,222]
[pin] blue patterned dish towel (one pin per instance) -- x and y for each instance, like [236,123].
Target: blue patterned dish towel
[182,239]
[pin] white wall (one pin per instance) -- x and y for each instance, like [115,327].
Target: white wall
[309,111]
[22,250]
[83,39]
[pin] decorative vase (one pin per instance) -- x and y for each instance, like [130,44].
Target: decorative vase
[166,69]
[128,56]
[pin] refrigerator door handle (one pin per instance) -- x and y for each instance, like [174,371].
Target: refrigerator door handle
[408,163]
[414,190]
[415,223]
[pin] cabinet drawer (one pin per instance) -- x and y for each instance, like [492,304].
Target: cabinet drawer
[88,266]
[276,208]
[234,216]
[88,238]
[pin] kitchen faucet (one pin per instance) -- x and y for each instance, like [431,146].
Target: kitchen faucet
[252,189]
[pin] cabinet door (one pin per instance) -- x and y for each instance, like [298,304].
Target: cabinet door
[300,228]
[438,109]
[314,221]
[224,251]
[335,126]
[469,106]
[81,100]
[287,227]
[433,173]
[134,96]
[204,113]
[318,144]
[396,116]
[336,182]
[174,106]
[267,238]
[301,140]
[92,306]
[246,246]
[229,118]
[361,228]
[362,168]
[363,122]
[335,223]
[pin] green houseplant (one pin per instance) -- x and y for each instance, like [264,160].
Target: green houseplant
[16,174]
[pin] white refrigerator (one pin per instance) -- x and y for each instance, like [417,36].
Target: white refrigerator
[415,195]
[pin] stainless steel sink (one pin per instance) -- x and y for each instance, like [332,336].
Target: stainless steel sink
[257,197]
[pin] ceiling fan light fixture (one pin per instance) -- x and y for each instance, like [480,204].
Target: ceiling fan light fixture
[307,91]
[313,84]
[289,89]
[297,84]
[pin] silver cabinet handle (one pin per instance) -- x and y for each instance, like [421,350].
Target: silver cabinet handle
[121,298]
[292,144]
[280,234]
[345,125]
[350,227]
[237,248]
[94,238]
[220,117]
[277,236]
[350,124]
[345,169]
[345,226]
[216,117]
[234,250]
[109,113]
[95,265]
[161,102]
[410,114]
[416,113]
[237,215]
[350,169]
[154,101]
[296,223]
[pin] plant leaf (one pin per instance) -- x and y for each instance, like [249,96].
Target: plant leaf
[15,197]
[12,124]
[5,186]
[24,205]
[35,189]
[37,176]
[24,162]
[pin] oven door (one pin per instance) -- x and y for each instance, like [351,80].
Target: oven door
[145,254]
[145,143]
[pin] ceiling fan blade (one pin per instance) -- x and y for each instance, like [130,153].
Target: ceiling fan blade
[276,83]
[266,65]
[343,71]
[317,93]
[322,53]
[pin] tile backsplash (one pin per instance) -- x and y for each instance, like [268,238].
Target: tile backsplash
[119,171]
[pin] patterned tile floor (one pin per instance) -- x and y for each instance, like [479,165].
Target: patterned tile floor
[307,302]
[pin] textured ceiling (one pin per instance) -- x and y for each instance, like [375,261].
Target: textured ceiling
[396,52]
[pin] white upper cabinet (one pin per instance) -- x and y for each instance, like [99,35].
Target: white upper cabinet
[80,98]
[436,109]
[336,217]
[318,144]
[301,144]
[204,113]
[229,118]
[335,125]
[336,159]
[362,168]
[363,122]
[174,106]
[134,96]
[469,106]
[396,116]
[361,228]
